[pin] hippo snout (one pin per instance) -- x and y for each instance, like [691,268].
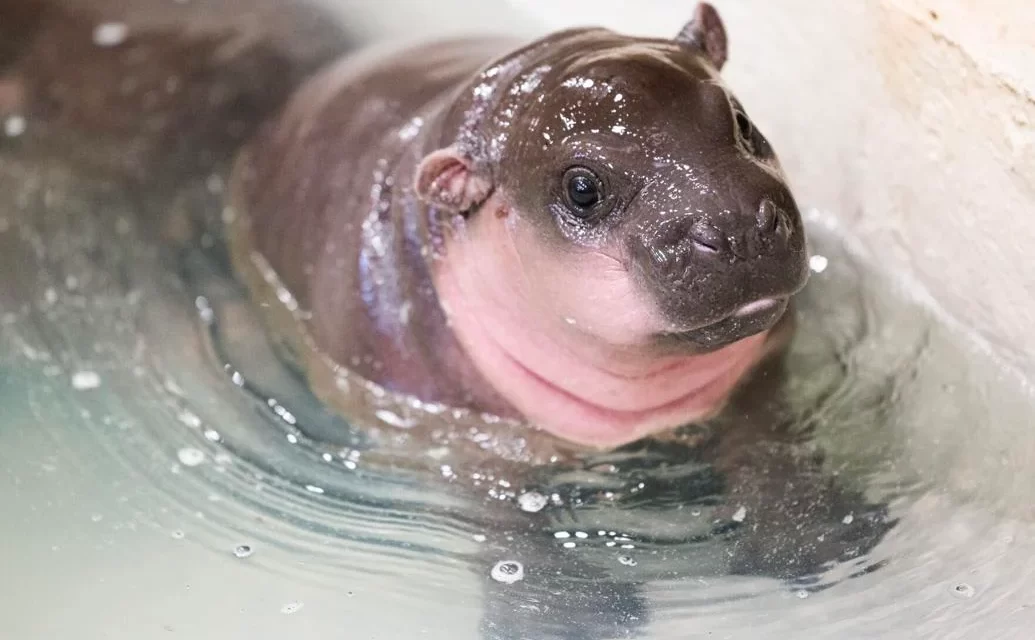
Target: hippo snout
[721,277]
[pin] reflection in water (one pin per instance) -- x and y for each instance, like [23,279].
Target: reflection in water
[867,483]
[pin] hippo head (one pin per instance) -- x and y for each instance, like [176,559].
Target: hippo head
[628,237]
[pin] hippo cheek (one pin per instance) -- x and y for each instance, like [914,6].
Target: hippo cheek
[591,292]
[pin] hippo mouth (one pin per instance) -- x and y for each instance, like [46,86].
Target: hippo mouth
[745,321]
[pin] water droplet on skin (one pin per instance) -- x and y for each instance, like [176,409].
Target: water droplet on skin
[212,435]
[508,571]
[561,535]
[110,34]
[740,514]
[14,126]
[963,590]
[582,535]
[292,438]
[395,420]
[85,380]
[214,184]
[243,551]
[801,593]
[313,489]
[569,545]
[848,519]
[818,264]
[190,457]
[532,501]
[291,607]
[627,561]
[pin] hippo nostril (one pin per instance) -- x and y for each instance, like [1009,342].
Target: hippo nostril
[768,216]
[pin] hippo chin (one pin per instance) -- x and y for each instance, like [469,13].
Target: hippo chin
[586,233]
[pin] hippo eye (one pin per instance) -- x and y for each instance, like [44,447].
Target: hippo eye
[746,131]
[749,137]
[583,190]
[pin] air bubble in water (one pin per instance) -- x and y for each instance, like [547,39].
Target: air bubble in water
[189,419]
[818,264]
[190,457]
[848,519]
[627,561]
[508,571]
[532,501]
[85,380]
[243,551]
[291,607]
[963,590]
[740,514]
[802,593]
[178,534]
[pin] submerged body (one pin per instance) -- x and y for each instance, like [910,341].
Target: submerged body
[585,232]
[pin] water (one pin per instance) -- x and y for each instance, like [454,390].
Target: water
[166,472]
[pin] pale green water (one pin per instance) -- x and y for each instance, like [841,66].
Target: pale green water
[135,466]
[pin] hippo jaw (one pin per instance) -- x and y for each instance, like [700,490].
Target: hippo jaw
[593,379]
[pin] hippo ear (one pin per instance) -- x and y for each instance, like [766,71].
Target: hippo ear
[447,179]
[706,33]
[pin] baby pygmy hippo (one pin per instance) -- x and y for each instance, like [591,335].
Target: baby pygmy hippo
[586,233]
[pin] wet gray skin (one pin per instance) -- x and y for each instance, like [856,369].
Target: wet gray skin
[602,142]
[126,153]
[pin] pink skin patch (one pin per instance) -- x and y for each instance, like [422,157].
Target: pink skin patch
[12,95]
[568,339]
